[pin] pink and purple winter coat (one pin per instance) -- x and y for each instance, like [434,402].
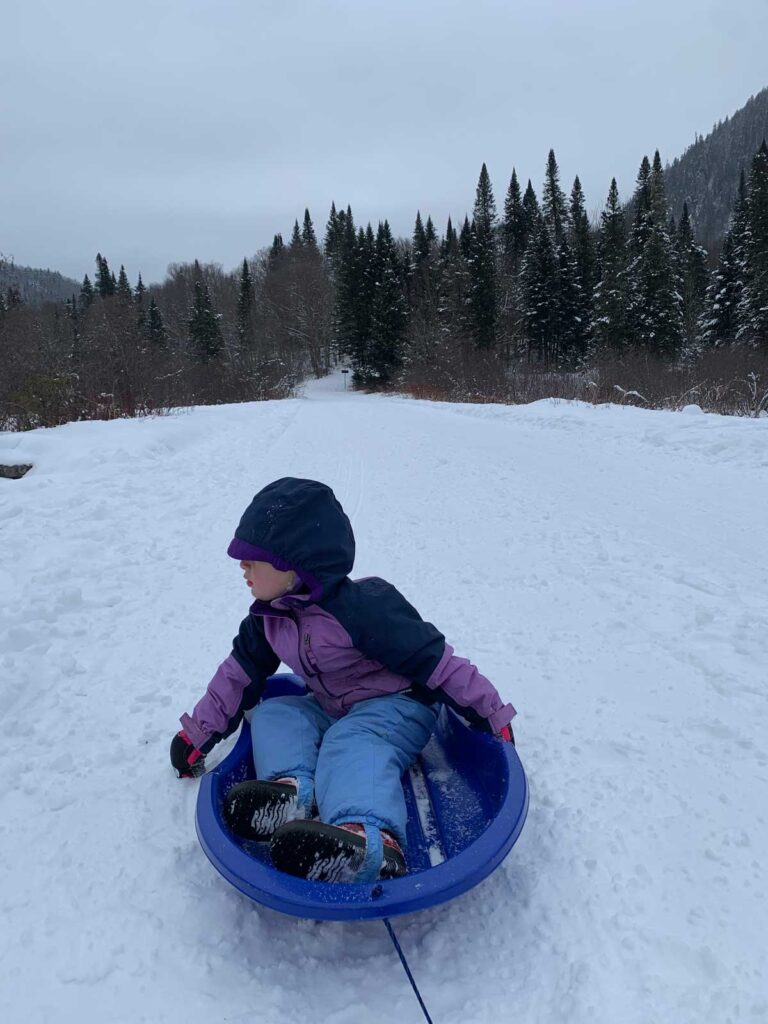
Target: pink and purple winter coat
[349,640]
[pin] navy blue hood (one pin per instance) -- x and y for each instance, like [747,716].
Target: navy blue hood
[299,525]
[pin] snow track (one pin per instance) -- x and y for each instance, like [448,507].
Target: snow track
[606,567]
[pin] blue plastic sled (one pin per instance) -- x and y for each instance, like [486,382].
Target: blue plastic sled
[467,799]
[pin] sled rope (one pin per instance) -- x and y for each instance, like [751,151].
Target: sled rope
[404,962]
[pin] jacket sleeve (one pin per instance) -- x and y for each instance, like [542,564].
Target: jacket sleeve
[236,687]
[390,630]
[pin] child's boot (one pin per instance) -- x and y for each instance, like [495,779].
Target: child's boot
[336,853]
[254,809]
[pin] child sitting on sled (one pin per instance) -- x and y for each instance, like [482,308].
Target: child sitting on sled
[376,673]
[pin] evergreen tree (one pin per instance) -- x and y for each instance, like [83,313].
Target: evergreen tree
[721,321]
[465,239]
[105,280]
[276,251]
[609,323]
[553,202]
[296,242]
[531,211]
[246,299]
[692,267]
[138,292]
[334,233]
[154,327]
[13,299]
[204,332]
[308,237]
[515,228]
[452,286]
[753,304]
[388,319]
[124,290]
[87,293]
[540,300]
[569,342]
[584,269]
[482,265]
[655,299]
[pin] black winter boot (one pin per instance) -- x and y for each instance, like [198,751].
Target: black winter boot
[254,809]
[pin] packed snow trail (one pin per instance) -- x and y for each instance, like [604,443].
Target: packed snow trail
[606,567]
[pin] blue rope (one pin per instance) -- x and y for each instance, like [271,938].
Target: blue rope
[404,962]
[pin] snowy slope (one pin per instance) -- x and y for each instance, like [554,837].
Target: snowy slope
[606,567]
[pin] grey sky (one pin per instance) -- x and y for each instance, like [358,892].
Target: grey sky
[168,130]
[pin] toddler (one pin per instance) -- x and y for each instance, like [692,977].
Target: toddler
[376,674]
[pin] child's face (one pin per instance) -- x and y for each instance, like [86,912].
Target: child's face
[266,582]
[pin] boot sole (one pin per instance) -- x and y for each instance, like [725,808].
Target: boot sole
[255,809]
[326,853]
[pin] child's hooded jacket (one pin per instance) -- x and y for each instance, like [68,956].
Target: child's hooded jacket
[349,640]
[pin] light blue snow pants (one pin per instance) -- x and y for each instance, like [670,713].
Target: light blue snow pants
[352,765]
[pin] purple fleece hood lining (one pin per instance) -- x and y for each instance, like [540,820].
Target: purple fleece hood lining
[245,552]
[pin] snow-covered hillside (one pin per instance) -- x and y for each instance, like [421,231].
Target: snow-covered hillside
[606,567]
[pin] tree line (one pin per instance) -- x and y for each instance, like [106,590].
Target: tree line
[537,288]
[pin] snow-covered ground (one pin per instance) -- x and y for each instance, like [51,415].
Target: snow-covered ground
[606,567]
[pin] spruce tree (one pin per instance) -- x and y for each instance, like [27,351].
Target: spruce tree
[531,211]
[515,227]
[553,202]
[540,300]
[609,318]
[482,265]
[124,290]
[154,326]
[720,323]
[204,332]
[296,242]
[308,237]
[276,252]
[87,293]
[655,300]
[584,268]
[388,315]
[245,305]
[753,304]
[692,266]
[138,292]
[105,280]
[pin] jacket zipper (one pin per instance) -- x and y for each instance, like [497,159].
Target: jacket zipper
[304,640]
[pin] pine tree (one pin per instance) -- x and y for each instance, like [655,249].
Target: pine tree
[246,299]
[553,203]
[753,304]
[138,292]
[609,320]
[482,265]
[204,332]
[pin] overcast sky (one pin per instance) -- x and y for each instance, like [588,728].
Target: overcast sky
[178,129]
